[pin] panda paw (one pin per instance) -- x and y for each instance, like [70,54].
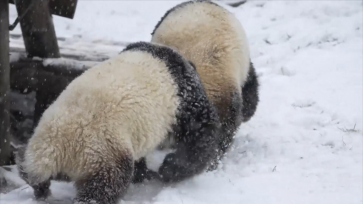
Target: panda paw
[172,169]
[141,172]
[42,191]
[140,176]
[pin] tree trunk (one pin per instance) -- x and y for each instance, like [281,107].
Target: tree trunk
[5,152]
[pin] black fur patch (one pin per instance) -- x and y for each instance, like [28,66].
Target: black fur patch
[42,190]
[197,129]
[230,107]
[250,94]
[231,122]
[176,7]
[241,110]
[108,184]
[141,172]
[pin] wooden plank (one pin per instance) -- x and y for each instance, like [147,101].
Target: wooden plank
[64,8]
[5,151]
[89,56]
[47,81]
[38,29]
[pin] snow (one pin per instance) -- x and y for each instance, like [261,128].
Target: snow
[75,64]
[304,145]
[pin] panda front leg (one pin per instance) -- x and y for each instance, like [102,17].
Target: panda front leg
[195,151]
[107,184]
[42,189]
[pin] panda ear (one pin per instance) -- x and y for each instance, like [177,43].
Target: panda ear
[193,65]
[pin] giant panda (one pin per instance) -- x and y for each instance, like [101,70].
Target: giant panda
[114,114]
[215,42]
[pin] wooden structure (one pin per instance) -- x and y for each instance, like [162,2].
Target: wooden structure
[37,28]
[48,82]
[63,8]
[5,152]
[35,17]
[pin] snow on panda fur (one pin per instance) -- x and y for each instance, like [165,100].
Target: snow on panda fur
[114,114]
[214,40]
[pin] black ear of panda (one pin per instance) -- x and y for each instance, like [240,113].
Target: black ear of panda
[140,45]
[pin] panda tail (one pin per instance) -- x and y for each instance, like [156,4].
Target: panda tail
[250,94]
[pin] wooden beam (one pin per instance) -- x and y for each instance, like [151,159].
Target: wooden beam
[5,151]
[37,28]
[64,8]
[47,81]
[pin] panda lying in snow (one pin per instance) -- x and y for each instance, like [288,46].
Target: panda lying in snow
[213,39]
[114,114]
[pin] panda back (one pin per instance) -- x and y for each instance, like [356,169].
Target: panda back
[132,99]
[209,36]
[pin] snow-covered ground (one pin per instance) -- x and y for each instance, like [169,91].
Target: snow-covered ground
[303,146]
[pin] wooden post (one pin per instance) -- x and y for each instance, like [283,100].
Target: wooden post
[5,151]
[38,29]
[64,8]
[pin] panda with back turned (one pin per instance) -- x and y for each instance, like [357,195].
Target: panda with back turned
[115,113]
[213,39]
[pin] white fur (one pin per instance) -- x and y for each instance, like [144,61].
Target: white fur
[213,39]
[125,105]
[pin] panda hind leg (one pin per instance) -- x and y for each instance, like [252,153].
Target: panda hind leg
[108,184]
[250,94]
